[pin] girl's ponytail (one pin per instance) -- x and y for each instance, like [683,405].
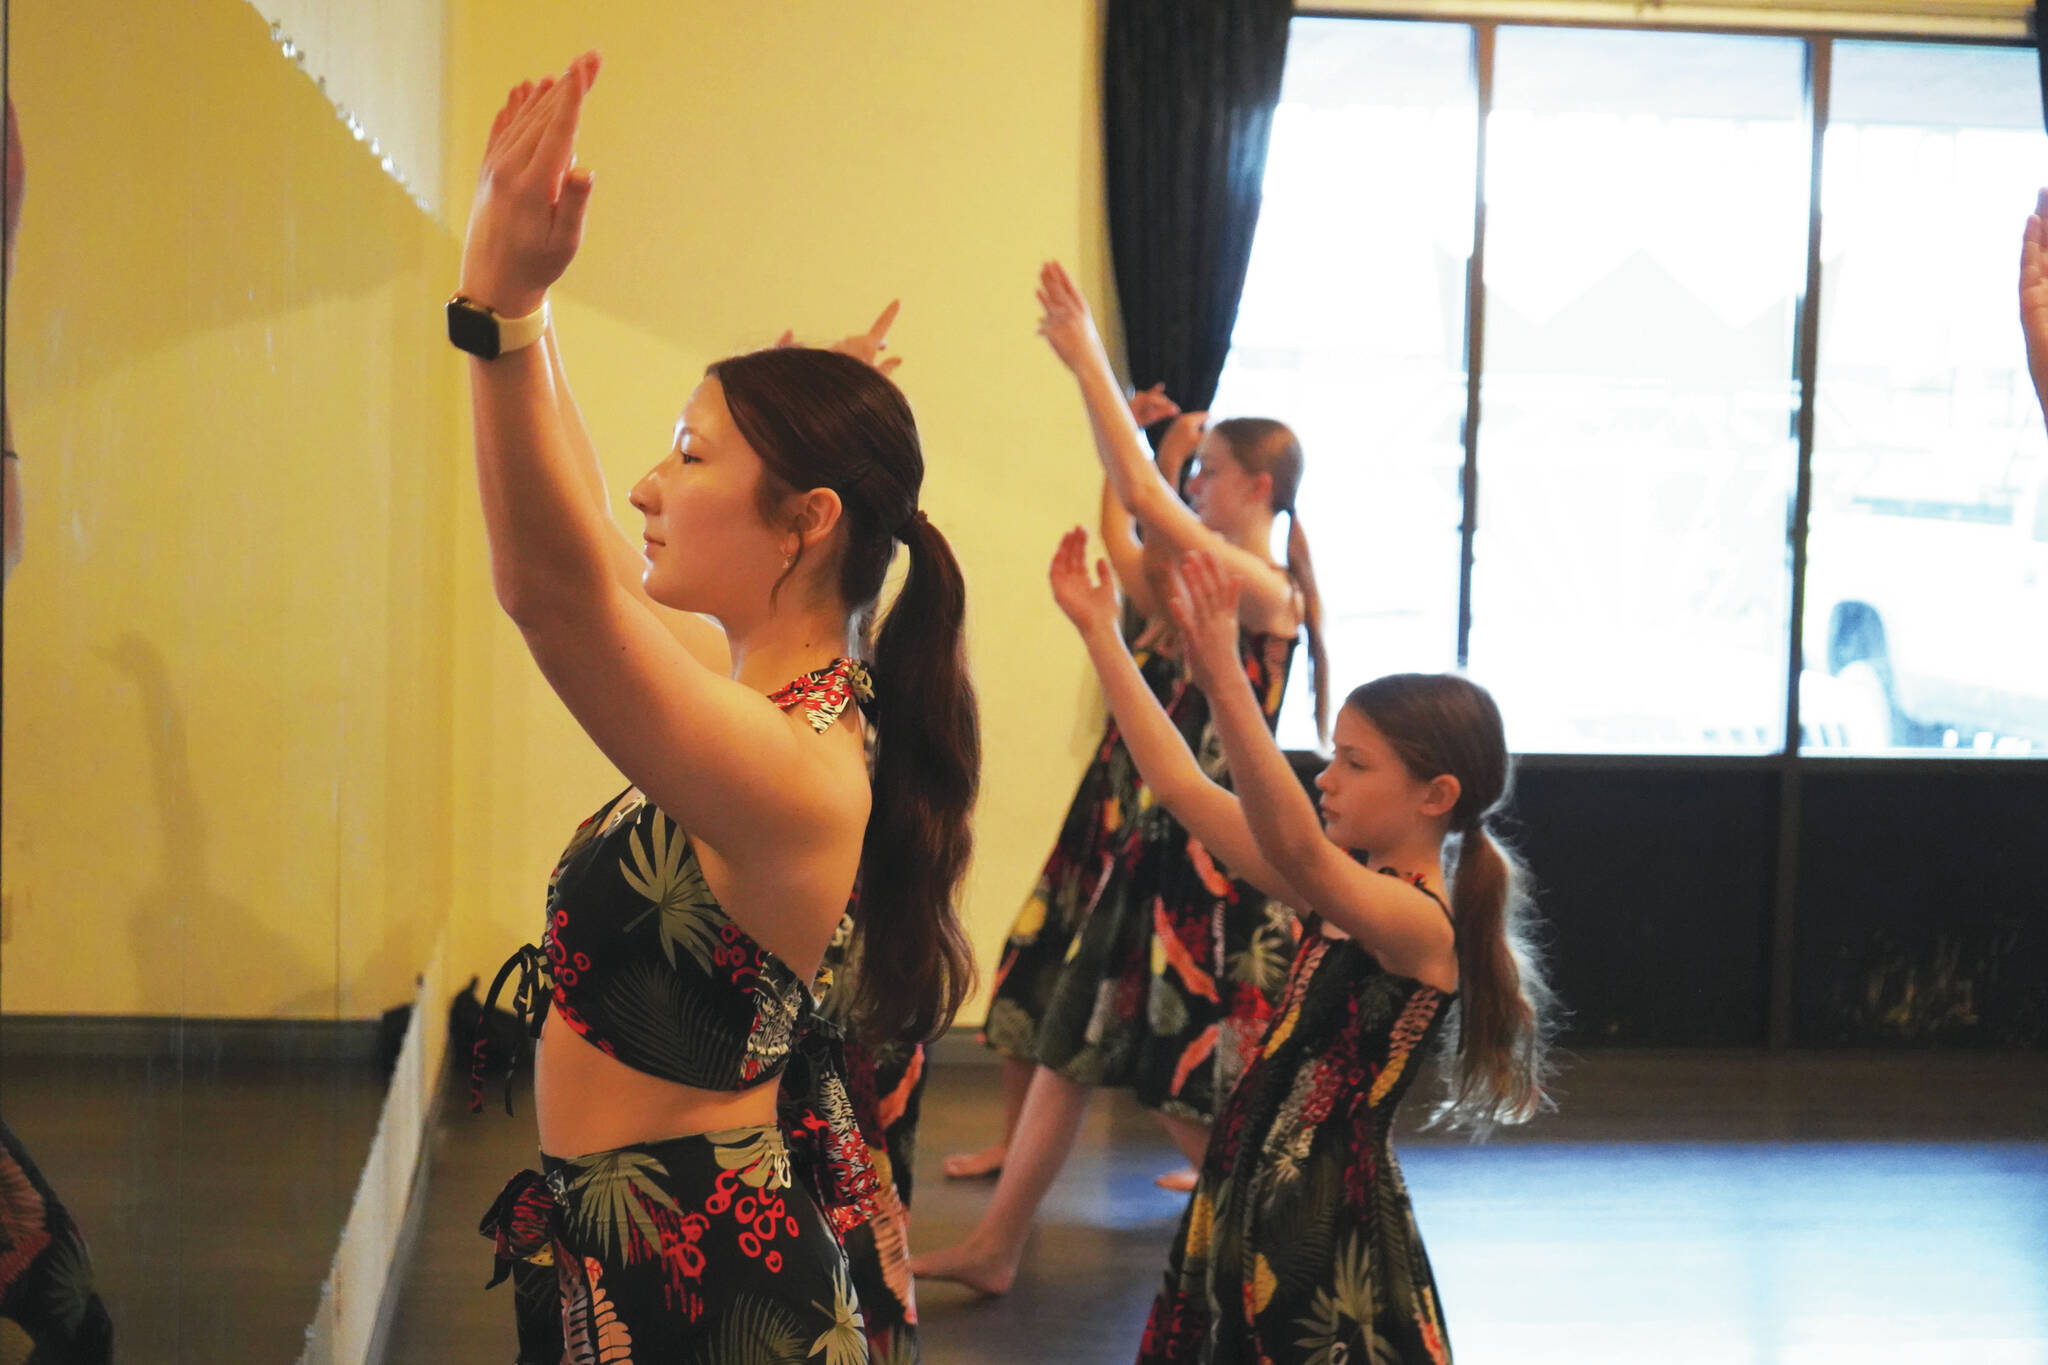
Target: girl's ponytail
[1301,569]
[1499,1029]
[1500,1025]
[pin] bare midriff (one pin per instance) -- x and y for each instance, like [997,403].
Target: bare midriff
[587,1101]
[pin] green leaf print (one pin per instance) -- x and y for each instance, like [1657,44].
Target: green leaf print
[845,1342]
[663,868]
[668,1028]
[613,1191]
[1165,1011]
[754,1331]
[1344,1310]
[756,1153]
[1010,1029]
[1262,963]
[1299,1190]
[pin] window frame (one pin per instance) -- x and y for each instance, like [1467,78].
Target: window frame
[1791,761]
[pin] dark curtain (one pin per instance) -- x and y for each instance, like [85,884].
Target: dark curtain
[2041,53]
[1188,93]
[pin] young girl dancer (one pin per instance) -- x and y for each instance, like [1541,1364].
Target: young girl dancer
[1139,960]
[1299,1243]
[1099,822]
[681,1214]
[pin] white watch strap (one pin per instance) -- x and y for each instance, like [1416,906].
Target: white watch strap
[515,333]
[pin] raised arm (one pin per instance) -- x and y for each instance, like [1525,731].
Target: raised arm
[701,637]
[1386,916]
[715,755]
[1068,326]
[1126,555]
[1138,571]
[1210,813]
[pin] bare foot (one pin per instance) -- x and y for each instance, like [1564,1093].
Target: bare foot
[1180,1181]
[974,1165]
[965,1264]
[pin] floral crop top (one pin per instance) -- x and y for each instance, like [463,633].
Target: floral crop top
[638,956]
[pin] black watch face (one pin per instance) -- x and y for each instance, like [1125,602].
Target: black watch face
[473,330]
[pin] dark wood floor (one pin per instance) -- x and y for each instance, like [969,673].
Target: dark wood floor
[1680,1209]
[212,1194]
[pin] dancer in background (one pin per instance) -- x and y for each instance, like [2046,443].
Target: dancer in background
[1300,1243]
[701,1156]
[1139,960]
[1102,820]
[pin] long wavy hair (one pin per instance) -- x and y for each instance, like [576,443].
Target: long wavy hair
[819,419]
[1266,446]
[1500,1029]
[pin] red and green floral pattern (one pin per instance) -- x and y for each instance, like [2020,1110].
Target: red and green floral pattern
[1138,960]
[1299,1244]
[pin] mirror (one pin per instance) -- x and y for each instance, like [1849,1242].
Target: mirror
[227,655]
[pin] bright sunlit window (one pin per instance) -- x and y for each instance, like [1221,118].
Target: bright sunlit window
[1927,581]
[1636,453]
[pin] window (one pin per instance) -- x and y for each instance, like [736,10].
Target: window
[1646,221]
[1352,330]
[1636,454]
[1927,583]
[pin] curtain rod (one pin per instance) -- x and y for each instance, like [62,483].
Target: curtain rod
[1984,19]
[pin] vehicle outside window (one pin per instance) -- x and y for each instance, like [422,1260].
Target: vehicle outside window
[1927,584]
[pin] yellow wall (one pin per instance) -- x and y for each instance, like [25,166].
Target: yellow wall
[264,722]
[799,164]
[228,649]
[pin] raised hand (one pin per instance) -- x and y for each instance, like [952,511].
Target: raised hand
[1203,602]
[1064,320]
[2034,296]
[1152,405]
[868,346]
[1178,445]
[527,220]
[1090,603]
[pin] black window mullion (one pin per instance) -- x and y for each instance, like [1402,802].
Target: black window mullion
[1819,59]
[1475,336]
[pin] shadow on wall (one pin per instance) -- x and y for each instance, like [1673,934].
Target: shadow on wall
[182,927]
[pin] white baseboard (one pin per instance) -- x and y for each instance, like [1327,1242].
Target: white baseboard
[353,1319]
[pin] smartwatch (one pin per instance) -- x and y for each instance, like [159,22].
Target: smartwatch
[481,332]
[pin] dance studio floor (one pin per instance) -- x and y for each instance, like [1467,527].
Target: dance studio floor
[1682,1209]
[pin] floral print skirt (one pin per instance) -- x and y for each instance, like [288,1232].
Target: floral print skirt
[886,1084]
[692,1249]
[46,1290]
[1138,961]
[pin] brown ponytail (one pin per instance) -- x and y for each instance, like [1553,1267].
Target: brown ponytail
[819,419]
[1265,446]
[1302,571]
[916,966]
[1500,1028]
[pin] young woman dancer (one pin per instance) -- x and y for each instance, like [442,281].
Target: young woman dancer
[1299,1243]
[1138,960]
[681,1214]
